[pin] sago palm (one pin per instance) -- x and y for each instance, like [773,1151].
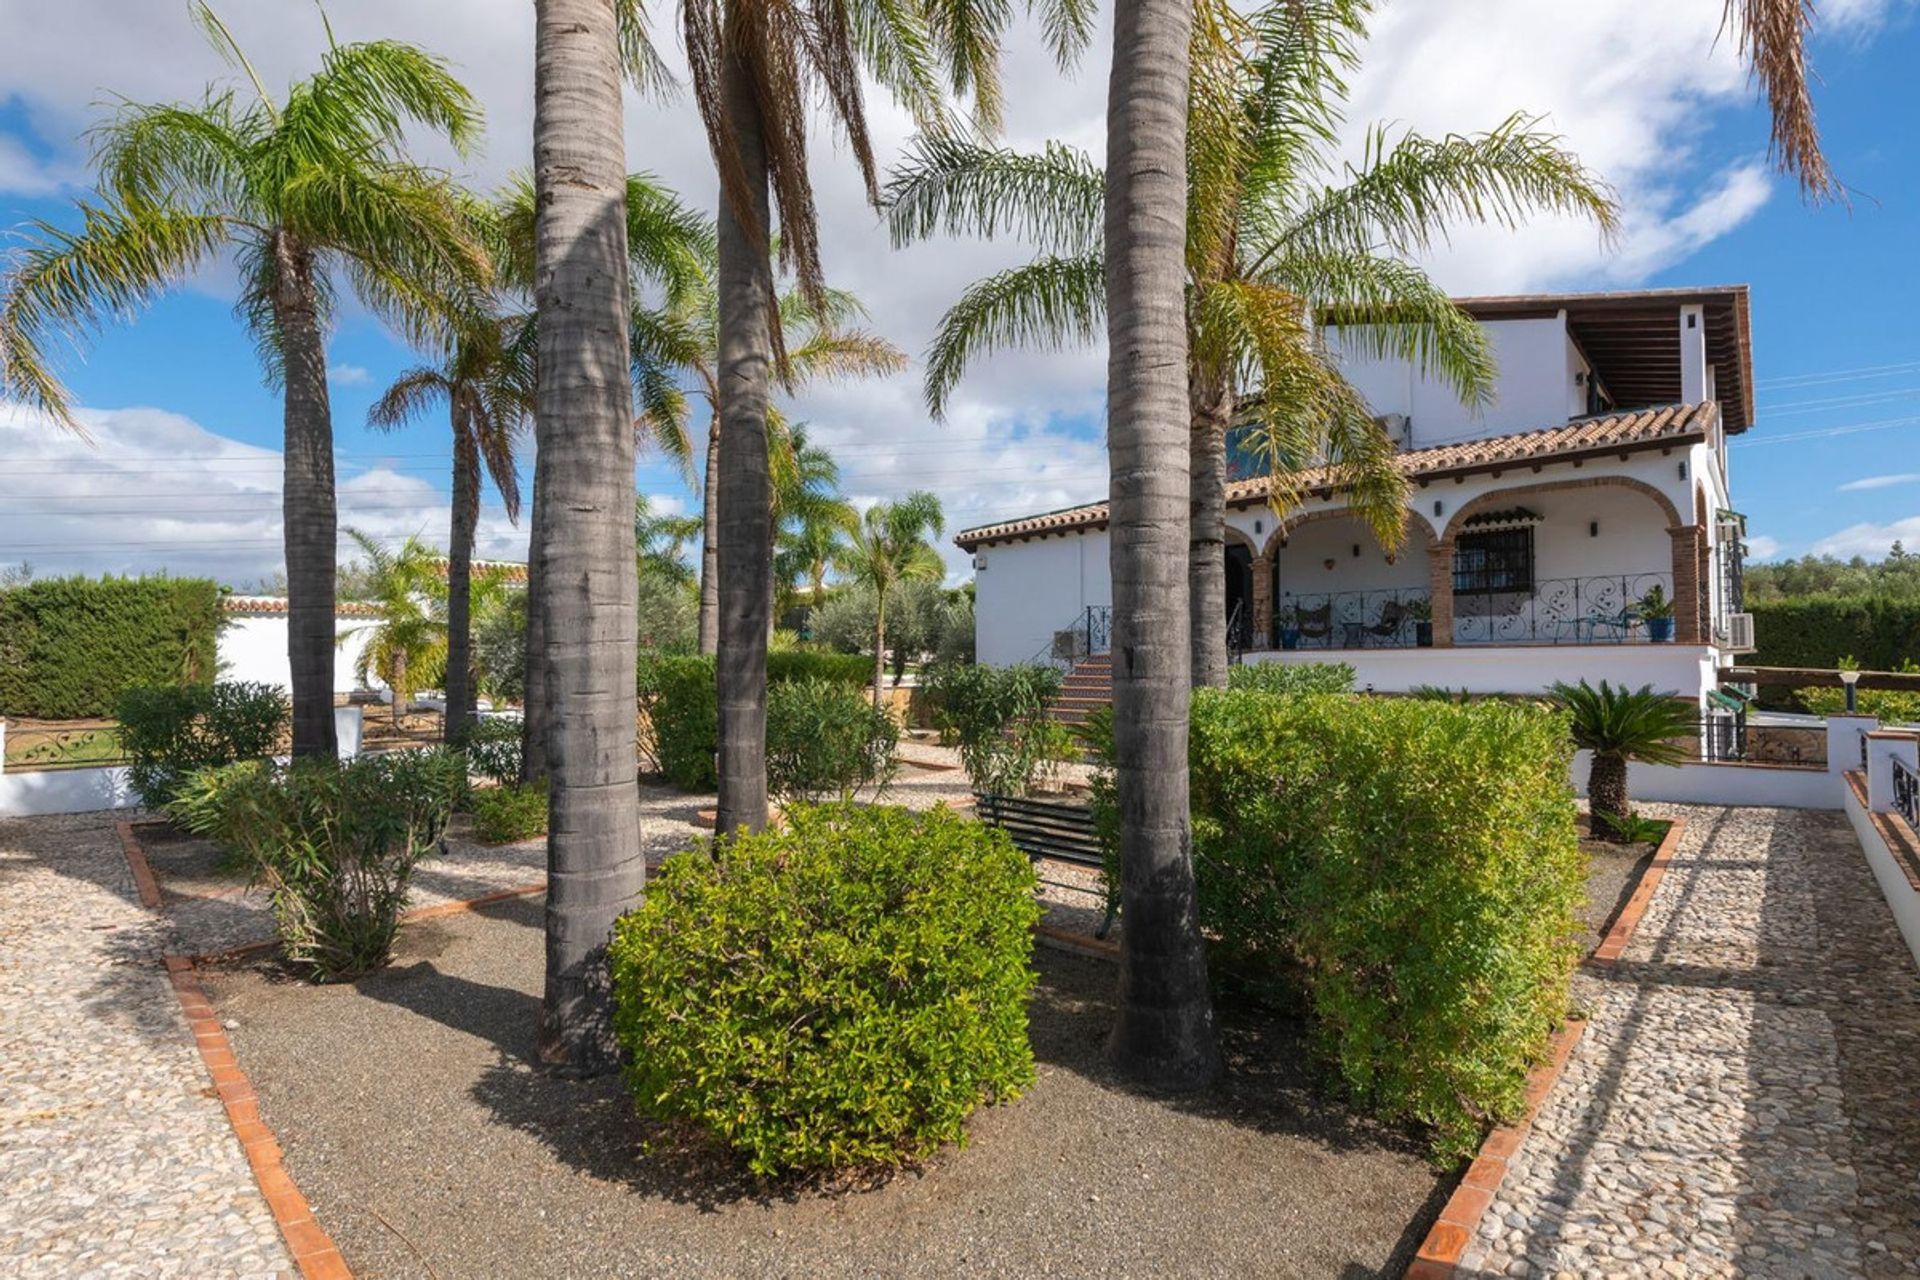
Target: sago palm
[759,68]
[1278,242]
[890,545]
[409,641]
[305,194]
[1619,726]
[486,410]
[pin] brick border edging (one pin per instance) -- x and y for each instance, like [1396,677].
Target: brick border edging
[1440,1253]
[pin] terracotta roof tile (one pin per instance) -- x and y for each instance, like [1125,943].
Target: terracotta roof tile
[270,606]
[1635,428]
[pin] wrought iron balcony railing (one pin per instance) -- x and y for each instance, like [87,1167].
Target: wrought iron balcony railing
[1608,608]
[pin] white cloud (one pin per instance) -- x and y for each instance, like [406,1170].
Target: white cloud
[1869,539]
[1880,482]
[348,375]
[1763,548]
[1633,88]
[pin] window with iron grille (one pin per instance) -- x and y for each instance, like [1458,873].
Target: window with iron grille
[1498,560]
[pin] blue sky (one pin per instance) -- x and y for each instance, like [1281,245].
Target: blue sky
[183,473]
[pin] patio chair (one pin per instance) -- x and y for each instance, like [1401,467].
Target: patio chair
[1393,619]
[1611,626]
[1317,624]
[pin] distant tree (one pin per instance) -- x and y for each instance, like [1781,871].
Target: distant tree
[1896,577]
[409,641]
[660,542]
[890,546]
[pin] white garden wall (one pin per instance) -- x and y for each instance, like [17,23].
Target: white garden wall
[253,646]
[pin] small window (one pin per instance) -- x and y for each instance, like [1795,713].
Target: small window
[1499,560]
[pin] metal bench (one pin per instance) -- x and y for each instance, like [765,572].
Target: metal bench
[1048,829]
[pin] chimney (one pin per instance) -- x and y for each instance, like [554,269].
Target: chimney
[1693,355]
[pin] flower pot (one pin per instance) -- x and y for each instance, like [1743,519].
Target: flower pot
[1289,638]
[1660,630]
[1423,635]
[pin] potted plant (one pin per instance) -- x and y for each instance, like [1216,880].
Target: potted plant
[1656,610]
[1421,611]
[1289,619]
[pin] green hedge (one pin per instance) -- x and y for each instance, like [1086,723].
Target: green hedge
[1882,634]
[677,694]
[70,646]
[840,994]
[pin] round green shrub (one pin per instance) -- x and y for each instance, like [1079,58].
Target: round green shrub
[839,994]
[826,741]
[509,812]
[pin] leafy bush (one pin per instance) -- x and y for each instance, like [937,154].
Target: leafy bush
[70,646]
[826,740]
[1407,872]
[1891,706]
[493,749]
[510,812]
[999,717]
[843,993]
[1286,677]
[168,731]
[334,843]
[500,646]
[683,718]
[1883,633]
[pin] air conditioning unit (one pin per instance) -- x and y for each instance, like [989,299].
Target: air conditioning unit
[1399,429]
[1737,634]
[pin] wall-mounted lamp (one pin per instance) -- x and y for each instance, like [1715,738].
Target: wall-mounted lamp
[1438,506]
[979,563]
[1851,679]
[1593,528]
[1356,551]
[1683,470]
[1256,526]
[1330,563]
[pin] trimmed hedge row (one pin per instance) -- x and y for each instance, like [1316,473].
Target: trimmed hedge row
[1882,634]
[677,695]
[70,646]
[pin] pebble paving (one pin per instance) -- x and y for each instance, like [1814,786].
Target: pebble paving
[1743,1101]
[114,1160]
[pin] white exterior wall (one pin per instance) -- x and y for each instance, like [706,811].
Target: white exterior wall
[1526,669]
[1534,388]
[1303,560]
[254,647]
[1026,591]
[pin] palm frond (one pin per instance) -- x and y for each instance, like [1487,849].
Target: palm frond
[1054,199]
[1047,304]
[181,156]
[369,93]
[407,397]
[1772,37]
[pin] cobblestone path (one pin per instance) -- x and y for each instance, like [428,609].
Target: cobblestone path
[114,1161]
[1746,1098]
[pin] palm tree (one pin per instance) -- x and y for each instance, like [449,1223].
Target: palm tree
[889,546]
[1269,248]
[808,510]
[670,249]
[660,542]
[583,495]
[757,70]
[303,192]
[410,639]
[1620,726]
[485,411]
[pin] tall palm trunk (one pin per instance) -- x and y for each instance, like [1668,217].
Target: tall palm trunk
[534,711]
[1210,408]
[745,492]
[1165,1034]
[879,645]
[308,507]
[595,868]
[401,687]
[710,546]
[466,518]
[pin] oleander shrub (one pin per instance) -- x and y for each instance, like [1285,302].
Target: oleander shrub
[509,812]
[839,994]
[493,749]
[827,741]
[70,646]
[682,717]
[1404,872]
[1000,719]
[171,730]
[334,843]
[1286,677]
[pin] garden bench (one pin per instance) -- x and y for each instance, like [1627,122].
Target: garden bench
[1047,829]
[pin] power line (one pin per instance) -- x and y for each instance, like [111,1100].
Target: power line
[1838,375]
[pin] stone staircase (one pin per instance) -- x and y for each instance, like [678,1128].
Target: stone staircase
[1088,686]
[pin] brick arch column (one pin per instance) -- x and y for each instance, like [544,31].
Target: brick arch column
[1690,560]
[1440,590]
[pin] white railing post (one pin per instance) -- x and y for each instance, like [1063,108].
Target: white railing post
[346,731]
[1884,746]
[1843,740]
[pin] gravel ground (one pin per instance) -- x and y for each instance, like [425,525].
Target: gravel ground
[115,1161]
[1742,1101]
[411,1119]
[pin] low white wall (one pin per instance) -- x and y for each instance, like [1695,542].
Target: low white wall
[1686,670]
[254,647]
[1759,785]
[1899,892]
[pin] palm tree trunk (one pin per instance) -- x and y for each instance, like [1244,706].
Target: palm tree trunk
[401,689]
[745,493]
[309,516]
[534,713]
[1165,1034]
[595,869]
[466,517]
[710,546]
[1607,794]
[1211,406]
[879,645]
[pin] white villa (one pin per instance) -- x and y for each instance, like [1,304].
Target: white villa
[1535,526]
